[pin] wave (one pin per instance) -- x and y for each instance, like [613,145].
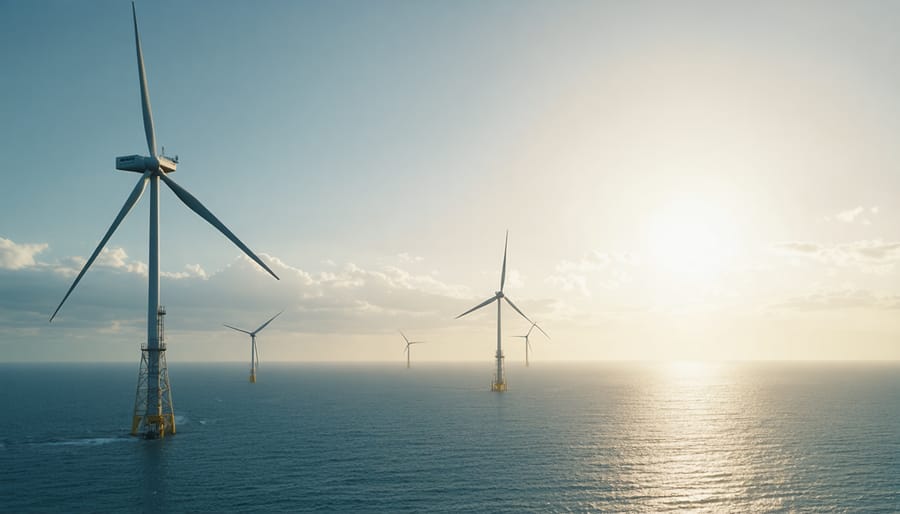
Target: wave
[89,441]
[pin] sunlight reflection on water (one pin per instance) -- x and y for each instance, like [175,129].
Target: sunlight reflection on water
[633,437]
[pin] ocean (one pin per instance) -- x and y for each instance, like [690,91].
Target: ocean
[592,437]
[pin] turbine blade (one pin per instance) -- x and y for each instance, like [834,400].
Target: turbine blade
[530,329]
[404,336]
[542,330]
[503,272]
[145,93]
[266,323]
[516,308]
[204,213]
[480,305]
[238,329]
[257,355]
[129,203]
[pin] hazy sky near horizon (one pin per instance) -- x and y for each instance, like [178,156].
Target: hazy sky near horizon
[680,180]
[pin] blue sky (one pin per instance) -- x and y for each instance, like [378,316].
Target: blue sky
[680,180]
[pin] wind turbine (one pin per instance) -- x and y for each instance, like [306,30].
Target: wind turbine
[254,353]
[499,383]
[528,344]
[153,401]
[408,344]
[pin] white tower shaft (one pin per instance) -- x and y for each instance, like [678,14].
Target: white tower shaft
[153,410]
[154,402]
[253,358]
[499,380]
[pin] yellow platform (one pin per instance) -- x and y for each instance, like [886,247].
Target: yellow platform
[164,424]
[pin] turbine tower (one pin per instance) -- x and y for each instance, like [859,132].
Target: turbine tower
[499,383]
[527,343]
[153,411]
[254,353]
[408,344]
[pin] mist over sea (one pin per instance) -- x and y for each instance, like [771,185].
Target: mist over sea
[754,437]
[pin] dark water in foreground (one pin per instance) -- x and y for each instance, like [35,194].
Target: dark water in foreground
[582,438]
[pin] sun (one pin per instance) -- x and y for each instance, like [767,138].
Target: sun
[691,237]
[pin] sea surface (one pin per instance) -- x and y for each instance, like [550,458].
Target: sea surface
[616,437]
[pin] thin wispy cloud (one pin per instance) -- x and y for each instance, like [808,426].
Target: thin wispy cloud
[834,299]
[867,255]
[859,214]
[608,270]
[406,257]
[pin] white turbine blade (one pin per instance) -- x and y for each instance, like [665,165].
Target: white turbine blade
[503,272]
[129,203]
[257,355]
[204,213]
[145,93]
[530,329]
[542,330]
[480,305]
[523,337]
[406,348]
[416,342]
[404,336]
[266,323]
[516,308]
[238,329]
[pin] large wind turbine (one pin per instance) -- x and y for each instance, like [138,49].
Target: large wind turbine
[499,383]
[527,343]
[254,354]
[153,402]
[408,344]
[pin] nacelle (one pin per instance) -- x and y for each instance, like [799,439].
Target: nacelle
[132,163]
[140,164]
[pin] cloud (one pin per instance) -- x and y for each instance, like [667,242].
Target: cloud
[868,255]
[569,282]
[405,257]
[856,214]
[573,275]
[190,271]
[849,215]
[117,258]
[343,299]
[847,298]
[15,256]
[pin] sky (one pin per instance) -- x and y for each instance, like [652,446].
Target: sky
[680,180]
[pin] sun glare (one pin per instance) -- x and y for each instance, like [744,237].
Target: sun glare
[691,237]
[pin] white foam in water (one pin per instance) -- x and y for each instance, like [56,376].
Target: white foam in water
[92,441]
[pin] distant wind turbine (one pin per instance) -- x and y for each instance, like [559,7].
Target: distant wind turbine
[153,402]
[254,353]
[408,344]
[499,383]
[527,343]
